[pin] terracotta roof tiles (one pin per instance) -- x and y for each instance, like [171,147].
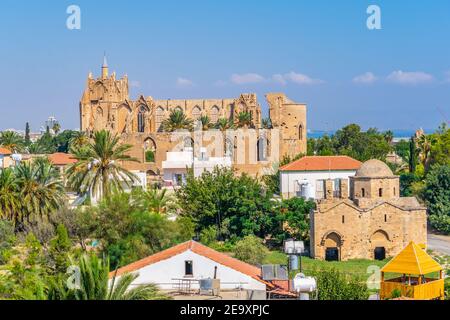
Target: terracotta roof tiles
[323,163]
[61,159]
[199,249]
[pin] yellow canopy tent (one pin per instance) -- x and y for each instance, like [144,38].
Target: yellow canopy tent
[413,260]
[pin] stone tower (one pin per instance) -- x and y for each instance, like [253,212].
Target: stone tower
[100,98]
[290,118]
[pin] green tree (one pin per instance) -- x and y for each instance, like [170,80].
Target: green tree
[223,124]
[12,141]
[251,249]
[205,123]
[425,144]
[437,197]
[293,218]
[27,134]
[60,247]
[40,189]
[335,285]
[78,140]
[244,120]
[10,202]
[157,201]
[266,123]
[98,168]
[56,128]
[236,205]
[177,121]
[26,274]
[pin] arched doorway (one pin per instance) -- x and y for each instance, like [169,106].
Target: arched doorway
[262,149]
[379,241]
[332,243]
[149,150]
[379,253]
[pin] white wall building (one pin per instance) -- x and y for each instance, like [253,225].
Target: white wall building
[306,177]
[194,261]
[177,164]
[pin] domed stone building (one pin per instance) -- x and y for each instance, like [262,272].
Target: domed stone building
[372,222]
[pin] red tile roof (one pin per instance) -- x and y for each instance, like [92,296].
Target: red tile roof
[5,151]
[323,163]
[61,159]
[199,249]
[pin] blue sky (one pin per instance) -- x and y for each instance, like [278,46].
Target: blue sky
[317,52]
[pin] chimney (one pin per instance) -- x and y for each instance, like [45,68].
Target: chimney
[343,185]
[329,189]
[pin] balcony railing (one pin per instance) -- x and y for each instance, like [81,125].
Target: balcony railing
[429,290]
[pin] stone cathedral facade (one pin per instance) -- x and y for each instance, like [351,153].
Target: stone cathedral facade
[106,104]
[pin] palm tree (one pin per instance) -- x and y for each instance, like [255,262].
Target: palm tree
[177,120]
[389,136]
[244,119]
[266,123]
[78,140]
[95,284]
[40,188]
[9,200]
[12,141]
[98,168]
[205,122]
[158,201]
[223,124]
[56,128]
[37,148]
[424,144]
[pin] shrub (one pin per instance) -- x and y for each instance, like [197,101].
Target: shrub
[251,250]
[334,285]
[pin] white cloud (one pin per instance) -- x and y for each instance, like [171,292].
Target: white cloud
[183,82]
[409,78]
[247,78]
[365,78]
[279,78]
[301,79]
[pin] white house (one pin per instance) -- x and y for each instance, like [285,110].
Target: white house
[194,261]
[306,177]
[177,164]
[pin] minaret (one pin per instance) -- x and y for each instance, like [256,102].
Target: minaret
[104,68]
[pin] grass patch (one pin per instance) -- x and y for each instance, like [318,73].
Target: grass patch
[357,268]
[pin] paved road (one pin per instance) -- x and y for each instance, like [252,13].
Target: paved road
[439,243]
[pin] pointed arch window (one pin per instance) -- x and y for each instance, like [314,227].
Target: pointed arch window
[300,131]
[141,119]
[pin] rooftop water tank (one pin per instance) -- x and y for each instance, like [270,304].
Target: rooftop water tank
[303,284]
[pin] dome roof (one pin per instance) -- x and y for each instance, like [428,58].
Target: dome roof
[374,168]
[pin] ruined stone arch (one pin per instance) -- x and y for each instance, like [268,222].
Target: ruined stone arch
[99,90]
[332,238]
[262,148]
[123,117]
[228,148]
[196,112]
[149,150]
[178,108]
[214,114]
[159,117]
[380,244]
[379,236]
